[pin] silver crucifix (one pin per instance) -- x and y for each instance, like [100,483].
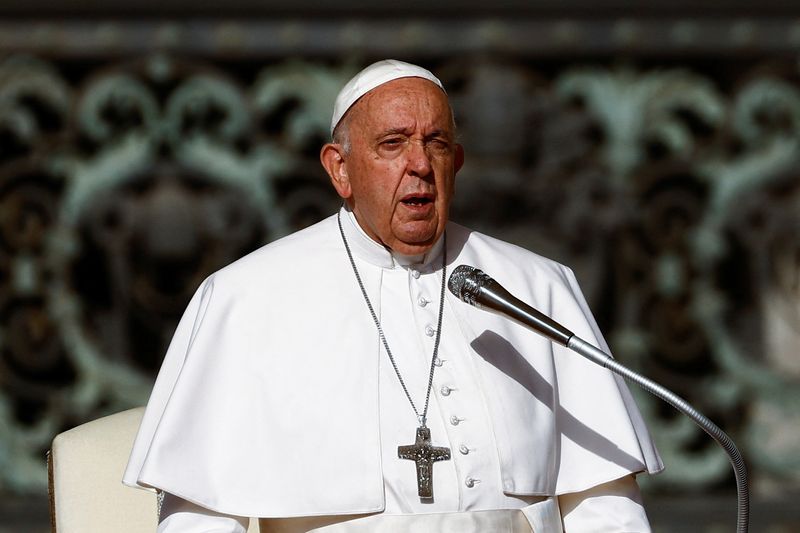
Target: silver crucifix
[424,455]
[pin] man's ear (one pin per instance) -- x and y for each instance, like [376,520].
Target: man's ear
[333,160]
[459,159]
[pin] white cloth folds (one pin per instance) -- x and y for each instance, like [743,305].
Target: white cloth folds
[267,401]
[613,507]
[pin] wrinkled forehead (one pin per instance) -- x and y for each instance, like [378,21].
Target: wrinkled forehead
[401,104]
[374,76]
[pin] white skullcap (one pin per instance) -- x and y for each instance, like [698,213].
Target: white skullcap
[374,75]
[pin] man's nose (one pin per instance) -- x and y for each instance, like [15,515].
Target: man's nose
[419,162]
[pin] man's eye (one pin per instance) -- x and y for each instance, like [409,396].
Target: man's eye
[440,145]
[392,145]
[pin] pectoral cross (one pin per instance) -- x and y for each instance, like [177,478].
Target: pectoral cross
[422,453]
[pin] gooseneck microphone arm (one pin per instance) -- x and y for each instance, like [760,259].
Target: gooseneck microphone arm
[476,288]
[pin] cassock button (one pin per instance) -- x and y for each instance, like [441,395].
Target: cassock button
[445,390]
[454,420]
[415,274]
[438,362]
[422,302]
[471,481]
[463,449]
[430,331]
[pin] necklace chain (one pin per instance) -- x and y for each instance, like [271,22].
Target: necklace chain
[421,417]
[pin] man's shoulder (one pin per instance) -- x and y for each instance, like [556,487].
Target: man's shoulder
[285,257]
[492,252]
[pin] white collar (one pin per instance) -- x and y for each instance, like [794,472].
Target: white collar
[366,248]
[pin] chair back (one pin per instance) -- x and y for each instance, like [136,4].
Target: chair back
[86,465]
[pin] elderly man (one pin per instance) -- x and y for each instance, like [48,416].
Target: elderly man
[327,382]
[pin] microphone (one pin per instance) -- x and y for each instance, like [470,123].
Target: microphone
[474,287]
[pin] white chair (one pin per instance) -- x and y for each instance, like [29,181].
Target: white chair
[85,467]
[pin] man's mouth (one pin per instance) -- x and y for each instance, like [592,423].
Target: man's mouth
[414,200]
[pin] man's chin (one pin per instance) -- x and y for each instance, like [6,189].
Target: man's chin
[415,237]
[414,247]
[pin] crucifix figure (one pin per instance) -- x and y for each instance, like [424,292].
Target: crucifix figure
[422,453]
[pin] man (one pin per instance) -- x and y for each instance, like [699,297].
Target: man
[327,381]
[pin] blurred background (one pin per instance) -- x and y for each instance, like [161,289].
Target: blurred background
[652,146]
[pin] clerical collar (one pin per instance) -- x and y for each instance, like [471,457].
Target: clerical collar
[366,248]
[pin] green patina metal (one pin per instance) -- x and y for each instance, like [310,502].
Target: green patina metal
[676,202]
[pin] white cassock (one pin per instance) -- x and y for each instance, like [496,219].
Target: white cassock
[276,398]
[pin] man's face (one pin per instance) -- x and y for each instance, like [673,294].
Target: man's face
[399,174]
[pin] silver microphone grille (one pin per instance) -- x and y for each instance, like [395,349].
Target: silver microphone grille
[466,281]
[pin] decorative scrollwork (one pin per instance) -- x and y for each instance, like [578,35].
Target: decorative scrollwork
[117,105]
[766,110]
[674,197]
[34,104]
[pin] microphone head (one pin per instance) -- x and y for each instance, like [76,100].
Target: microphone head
[466,281]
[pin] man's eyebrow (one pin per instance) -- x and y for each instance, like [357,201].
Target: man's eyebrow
[403,131]
[438,133]
[392,131]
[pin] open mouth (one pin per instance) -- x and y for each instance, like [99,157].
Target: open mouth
[417,201]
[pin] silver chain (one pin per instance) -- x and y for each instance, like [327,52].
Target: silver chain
[424,416]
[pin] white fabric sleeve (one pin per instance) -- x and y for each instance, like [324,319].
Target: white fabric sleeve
[179,516]
[612,507]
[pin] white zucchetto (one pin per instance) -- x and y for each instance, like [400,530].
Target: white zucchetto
[374,75]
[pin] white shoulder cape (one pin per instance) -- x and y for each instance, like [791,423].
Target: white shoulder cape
[267,401]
